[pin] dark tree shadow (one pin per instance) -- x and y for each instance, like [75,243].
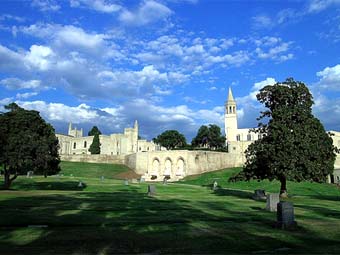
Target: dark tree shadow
[128,221]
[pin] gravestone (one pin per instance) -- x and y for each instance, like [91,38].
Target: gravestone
[285,215]
[134,181]
[272,201]
[102,178]
[165,180]
[126,182]
[141,180]
[151,190]
[29,174]
[215,185]
[259,194]
[80,185]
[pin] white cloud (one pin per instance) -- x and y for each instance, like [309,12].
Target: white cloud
[46,5]
[25,95]
[148,12]
[330,78]
[97,5]
[12,17]
[40,57]
[15,83]
[320,5]
[262,21]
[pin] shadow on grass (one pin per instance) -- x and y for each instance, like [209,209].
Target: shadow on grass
[126,220]
[49,185]
[234,193]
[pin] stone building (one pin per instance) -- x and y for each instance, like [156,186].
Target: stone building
[74,143]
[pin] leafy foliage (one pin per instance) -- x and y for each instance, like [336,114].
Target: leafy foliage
[94,131]
[95,146]
[28,143]
[294,144]
[170,139]
[209,136]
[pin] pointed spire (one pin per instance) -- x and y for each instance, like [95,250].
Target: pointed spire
[230,95]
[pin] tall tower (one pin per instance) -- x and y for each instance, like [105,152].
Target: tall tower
[230,118]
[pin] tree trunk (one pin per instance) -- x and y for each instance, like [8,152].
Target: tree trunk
[8,179]
[283,189]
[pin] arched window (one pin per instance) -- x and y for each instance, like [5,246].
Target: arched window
[230,109]
[85,144]
[234,109]
[238,138]
[249,137]
[74,145]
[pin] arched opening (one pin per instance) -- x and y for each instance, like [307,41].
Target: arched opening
[74,145]
[85,144]
[155,168]
[168,166]
[180,167]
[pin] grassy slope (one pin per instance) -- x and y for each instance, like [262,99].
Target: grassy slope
[185,217]
[91,170]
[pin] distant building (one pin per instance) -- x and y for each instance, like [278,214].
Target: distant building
[115,144]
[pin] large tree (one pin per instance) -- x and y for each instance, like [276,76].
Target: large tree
[209,136]
[294,145]
[170,139]
[93,131]
[28,143]
[95,146]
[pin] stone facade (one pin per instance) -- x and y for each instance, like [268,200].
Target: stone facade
[176,164]
[74,143]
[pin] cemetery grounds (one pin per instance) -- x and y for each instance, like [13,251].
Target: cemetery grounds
[56,215]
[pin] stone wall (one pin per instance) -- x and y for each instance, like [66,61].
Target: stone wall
[108,159]
[179,163]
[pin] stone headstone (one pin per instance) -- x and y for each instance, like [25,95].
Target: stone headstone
[165,180]
[29,174]
[272,201]
[141,180]
[215,184]
[285,215]
[259,194]
[80,185]
[102,178]
[126,182]
[151,189]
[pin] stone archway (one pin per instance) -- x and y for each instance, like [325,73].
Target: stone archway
[167,167]
[155,168]
[180,167]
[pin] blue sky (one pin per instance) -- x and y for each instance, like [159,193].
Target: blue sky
[166,63]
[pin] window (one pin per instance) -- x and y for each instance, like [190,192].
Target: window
[238,138]
[249,137]
[74,146]
[230,109]
[148,148]
[85,144]
[234,108]
[140,148]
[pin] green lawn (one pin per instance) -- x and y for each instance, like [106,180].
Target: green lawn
[186,217]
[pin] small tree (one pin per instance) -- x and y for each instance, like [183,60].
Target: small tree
[28,143]
[95,146]
[209,136]
[94,131]
[170,139]
[294,145]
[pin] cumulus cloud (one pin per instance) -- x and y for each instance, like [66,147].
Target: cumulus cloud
[97,5]
[15,83]
[315,6]
[25,95]
[46,5]
[148,12]
[329,78]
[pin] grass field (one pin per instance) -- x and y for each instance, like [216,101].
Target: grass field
[55,216]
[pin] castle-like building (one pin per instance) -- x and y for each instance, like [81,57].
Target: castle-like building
[115,144]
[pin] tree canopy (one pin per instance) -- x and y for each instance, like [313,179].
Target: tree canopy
[170,139]
[95,146]
[294,144]
[28,143]
[209,136]
[93,131]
